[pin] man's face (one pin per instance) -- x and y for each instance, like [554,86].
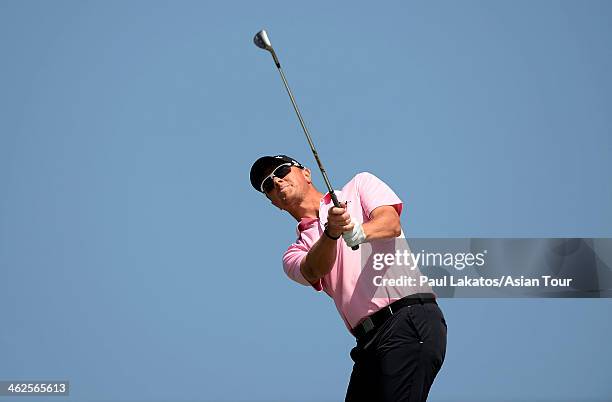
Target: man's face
[291,189]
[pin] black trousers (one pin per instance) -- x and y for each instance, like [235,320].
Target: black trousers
[399,362]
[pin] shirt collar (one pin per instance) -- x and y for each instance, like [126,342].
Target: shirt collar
[327,197]
[306,223]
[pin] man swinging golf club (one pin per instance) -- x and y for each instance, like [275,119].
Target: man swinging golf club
[401,341]
[400,331]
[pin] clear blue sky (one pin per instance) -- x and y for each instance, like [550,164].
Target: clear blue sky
[138,262]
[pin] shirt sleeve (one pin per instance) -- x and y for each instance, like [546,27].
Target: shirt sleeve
[291,264]
[374,193]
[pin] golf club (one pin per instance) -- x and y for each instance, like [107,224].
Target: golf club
[263,42]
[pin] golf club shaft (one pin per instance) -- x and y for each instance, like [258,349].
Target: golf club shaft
[312,147]
[264,43]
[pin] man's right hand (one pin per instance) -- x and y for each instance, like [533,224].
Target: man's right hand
[338,221]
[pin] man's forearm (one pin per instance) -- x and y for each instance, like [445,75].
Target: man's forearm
[320,259]
[384,224]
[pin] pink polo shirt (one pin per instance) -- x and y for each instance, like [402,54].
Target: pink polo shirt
[347,284]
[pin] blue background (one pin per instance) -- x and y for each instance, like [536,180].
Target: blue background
[137,262]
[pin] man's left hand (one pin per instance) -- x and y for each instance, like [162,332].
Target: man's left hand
[356,236]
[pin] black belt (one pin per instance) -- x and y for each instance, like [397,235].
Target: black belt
[374,321]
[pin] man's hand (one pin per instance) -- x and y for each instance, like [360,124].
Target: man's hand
[354,237]
[338,221]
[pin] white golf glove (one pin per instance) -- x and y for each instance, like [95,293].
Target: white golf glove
[355,236]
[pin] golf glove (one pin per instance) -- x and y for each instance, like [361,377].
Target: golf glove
[355,236]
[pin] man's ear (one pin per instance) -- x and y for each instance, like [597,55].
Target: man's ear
[307,175]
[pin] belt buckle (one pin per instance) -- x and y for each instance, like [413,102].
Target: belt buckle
[367,325]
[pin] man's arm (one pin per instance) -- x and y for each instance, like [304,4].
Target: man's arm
[322,256]
[319,260]
[384,223]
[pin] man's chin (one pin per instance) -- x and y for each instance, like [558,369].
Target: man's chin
[285,193]
[288,197]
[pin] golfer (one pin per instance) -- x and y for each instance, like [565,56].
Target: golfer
[400,332]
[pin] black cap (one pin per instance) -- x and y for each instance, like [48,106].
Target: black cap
[263,166]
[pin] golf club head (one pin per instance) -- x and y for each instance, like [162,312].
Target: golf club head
[261,40]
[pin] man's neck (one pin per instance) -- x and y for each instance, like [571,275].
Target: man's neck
[308,207]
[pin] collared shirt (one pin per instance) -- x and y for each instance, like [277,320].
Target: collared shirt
[348,283]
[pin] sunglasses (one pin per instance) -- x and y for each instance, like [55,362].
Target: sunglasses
[281,171]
